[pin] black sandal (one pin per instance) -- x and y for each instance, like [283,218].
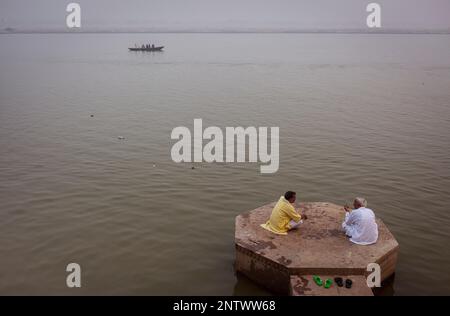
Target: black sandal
[348,283]
[339,281]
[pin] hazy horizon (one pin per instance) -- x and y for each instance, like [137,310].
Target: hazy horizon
[224,16]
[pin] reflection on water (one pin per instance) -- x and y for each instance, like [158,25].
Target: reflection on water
[358,115]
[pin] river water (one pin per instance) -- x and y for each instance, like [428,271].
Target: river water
[359,115]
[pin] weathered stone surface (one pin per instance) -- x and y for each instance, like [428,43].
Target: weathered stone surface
[319,246]
[305,286]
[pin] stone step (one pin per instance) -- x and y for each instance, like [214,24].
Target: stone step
[304,285]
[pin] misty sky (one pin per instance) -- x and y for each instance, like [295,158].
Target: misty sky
[225,14]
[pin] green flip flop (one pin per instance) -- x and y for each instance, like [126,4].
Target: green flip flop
[328,283]
[318,280]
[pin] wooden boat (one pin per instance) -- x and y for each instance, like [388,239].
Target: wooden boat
[146,49]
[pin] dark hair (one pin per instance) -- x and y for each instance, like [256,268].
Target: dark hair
[289,195]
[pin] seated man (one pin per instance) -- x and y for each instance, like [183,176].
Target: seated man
[359,224]
[284,217]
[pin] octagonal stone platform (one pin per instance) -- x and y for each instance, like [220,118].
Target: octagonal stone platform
[319,246]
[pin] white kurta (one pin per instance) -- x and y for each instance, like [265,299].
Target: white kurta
[360,226]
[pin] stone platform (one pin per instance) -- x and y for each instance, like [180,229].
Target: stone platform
[318,247]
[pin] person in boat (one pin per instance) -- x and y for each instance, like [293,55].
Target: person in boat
[359,224]
[143,46]
[153,45]
[284,217]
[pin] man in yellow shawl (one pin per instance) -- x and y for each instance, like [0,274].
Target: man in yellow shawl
[284,217]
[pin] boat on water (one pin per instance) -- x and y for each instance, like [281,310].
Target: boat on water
[146,49]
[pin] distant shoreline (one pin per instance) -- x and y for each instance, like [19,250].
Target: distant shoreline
[378,32]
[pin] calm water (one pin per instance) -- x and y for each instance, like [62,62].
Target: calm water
[358,115]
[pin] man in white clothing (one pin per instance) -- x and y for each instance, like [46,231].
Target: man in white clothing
[359,224]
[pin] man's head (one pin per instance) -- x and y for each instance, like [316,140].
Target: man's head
[290,196]
[359,202]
